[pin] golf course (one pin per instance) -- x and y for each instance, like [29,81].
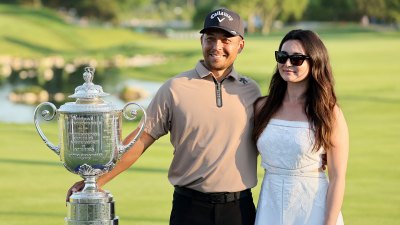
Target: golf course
[34,182]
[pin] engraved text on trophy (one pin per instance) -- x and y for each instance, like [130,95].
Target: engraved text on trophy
[90,139]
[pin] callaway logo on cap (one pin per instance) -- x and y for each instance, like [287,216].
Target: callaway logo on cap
[224,19]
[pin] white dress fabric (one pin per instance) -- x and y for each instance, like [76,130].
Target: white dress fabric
[292,192]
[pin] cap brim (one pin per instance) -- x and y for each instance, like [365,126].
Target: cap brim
[233,33]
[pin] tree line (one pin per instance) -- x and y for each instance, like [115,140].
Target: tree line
[258,14]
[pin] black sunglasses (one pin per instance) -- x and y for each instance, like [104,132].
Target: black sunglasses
[296,60]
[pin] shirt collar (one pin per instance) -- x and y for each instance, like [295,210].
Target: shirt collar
[203,72]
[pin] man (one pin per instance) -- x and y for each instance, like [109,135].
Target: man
[208,112]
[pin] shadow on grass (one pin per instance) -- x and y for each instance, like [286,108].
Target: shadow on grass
[30,13]
[32,47]
[61,216]
[47,163]
[33,214]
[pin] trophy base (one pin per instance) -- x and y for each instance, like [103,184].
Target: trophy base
[105,222]
[91,208]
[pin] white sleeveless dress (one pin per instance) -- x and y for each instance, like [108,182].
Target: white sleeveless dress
[292,192]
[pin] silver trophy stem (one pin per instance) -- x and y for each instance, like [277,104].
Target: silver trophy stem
[90,185]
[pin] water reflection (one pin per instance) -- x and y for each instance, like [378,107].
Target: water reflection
[20,113]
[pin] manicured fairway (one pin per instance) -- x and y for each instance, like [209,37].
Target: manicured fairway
[34,183]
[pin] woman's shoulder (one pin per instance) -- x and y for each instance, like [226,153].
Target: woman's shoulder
[339,126]
[337,112]
[259,103]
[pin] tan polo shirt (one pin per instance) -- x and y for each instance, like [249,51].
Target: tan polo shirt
[213,150]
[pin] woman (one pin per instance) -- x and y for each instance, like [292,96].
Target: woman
[295,125]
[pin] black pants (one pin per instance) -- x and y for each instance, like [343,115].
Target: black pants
[189,211]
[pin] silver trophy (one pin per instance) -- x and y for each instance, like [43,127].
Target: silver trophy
[90,145]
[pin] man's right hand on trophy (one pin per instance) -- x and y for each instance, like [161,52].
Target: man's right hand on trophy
[77,187]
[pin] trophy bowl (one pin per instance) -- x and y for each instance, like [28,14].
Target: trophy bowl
[90,144]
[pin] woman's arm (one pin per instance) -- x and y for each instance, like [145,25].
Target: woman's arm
[337,165]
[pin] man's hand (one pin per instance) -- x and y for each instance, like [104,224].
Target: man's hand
[78,186]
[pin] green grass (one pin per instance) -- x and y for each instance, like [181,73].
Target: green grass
[34,182]
[28,32]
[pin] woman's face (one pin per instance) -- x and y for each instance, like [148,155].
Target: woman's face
[289,72]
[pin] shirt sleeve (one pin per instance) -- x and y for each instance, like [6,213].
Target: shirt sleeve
[159,113]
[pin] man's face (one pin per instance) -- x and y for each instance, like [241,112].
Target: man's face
[220,49]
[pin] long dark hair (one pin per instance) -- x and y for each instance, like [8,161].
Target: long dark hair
[320,94]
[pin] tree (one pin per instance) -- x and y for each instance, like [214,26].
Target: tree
[337,10]
[293,12]
[246,10]
[268,11]
[383,10]
[393,7]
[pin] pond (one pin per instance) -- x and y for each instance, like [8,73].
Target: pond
[11,112]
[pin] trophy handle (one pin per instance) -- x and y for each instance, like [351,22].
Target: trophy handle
[131,115]
[46,115]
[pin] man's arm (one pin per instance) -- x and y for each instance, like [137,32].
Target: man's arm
[127,159]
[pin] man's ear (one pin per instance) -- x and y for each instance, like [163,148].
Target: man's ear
[201,39]
[241,46]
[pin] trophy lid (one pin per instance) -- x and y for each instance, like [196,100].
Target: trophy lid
[88,96]
[88,90]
